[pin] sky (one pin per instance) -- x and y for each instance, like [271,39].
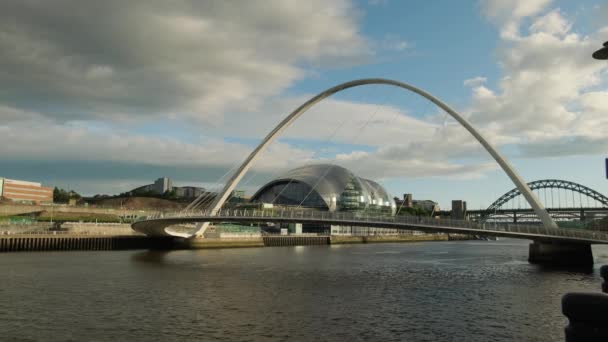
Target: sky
[104,96]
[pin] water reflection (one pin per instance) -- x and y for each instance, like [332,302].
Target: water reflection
[456,291]
[152,256]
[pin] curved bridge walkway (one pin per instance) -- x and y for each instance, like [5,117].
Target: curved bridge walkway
[160,225]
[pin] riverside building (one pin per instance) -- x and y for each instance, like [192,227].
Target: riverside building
[326,187]
[25,191]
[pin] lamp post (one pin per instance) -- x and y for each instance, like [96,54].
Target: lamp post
[587,312]
[601,53]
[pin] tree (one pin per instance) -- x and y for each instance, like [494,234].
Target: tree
[62,196]
[170,195]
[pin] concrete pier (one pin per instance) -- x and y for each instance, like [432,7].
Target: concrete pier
[560,254]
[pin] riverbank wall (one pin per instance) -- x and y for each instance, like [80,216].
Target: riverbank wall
[67,242]
[345,239]
[64,242]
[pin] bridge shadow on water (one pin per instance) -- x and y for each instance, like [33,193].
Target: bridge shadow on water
[151,256]
[160,257]
[586,269]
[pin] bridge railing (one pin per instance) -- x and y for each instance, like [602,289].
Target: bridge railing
[416,221]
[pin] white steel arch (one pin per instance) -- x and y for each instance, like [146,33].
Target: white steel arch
[504,164]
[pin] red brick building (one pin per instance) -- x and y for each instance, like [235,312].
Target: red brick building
[23,191]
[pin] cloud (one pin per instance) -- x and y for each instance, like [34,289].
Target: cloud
[81,143]
[399,162]
[10,115]
[111,60]
[332,120]
[509,13]
[566,146]
[552,90]
[552,23]
[405,144]
[89,95]
[475,81]
[378,2]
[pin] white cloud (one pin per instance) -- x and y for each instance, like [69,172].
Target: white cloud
[333,120]
[475,81]
[549,89]
[513,9]
[396,144]
[72,142]
[552,23]
[193,61]
[509,13]
[400,162]
[189,59]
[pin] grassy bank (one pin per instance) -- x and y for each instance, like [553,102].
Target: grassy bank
[46,216]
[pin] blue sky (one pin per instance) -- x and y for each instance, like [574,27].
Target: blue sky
[117,94]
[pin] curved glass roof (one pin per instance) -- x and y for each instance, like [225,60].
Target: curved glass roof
[338,188]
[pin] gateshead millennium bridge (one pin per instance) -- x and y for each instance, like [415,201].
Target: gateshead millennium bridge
[549,240]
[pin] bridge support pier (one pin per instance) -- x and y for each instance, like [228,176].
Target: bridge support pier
[560,254]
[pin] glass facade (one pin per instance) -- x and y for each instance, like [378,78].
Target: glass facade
[352,198]
[292,194]
[326,187]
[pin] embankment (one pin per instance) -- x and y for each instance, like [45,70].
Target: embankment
[65,242]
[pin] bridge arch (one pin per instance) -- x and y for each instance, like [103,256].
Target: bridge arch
[219,200]
[550,184]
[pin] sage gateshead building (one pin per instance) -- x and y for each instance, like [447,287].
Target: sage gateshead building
[326,187]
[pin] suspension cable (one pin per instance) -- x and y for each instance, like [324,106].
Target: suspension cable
[195,203]
[331,166]
[328,139]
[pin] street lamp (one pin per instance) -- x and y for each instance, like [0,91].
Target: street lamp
[602,53]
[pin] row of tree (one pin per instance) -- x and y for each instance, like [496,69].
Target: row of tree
[169,195]
[413,211]
[63,196]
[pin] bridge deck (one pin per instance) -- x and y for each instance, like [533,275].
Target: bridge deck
[159,225]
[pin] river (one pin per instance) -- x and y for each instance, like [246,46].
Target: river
[435,291]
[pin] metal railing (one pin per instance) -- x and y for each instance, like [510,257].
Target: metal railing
[357,217]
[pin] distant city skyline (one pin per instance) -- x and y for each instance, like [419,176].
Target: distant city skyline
[104,100]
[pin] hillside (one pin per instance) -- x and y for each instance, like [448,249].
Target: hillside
[137,203]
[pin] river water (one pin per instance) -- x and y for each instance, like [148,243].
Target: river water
[435,291]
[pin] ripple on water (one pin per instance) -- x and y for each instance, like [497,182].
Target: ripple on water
[445,291]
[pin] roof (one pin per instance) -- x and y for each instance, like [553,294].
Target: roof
[329,181]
